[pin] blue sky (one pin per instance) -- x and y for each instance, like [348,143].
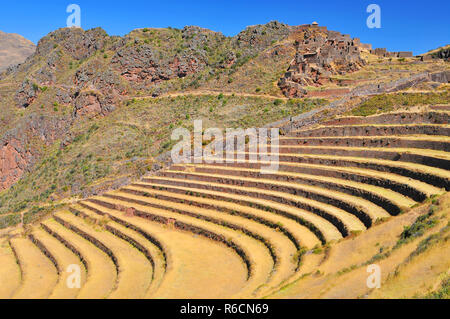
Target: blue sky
[412,25]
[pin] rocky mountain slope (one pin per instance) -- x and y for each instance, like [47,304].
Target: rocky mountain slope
[88,111]
[14,49]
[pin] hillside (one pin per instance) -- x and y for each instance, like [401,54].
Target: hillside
[86,175]
[439,53]
[14,49]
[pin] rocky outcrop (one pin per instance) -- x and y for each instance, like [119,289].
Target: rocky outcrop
[26,94]
[142,63]
[78,43]
[14,160]
[91,104]
[255,39]
[19,147]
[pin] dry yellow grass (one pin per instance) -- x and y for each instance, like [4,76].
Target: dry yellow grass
[400,150]
[398,199]
[343,274]
[102,274]
[157,256]
[418,277]
[197,268]
[10,274]
[64,258]
[283,248]
[134,269]
[258,254]
[39,275]
[319,126]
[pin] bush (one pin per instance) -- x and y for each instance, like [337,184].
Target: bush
[417,229]
[9,220]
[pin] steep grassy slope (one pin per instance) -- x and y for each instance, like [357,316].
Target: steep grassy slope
[412,251]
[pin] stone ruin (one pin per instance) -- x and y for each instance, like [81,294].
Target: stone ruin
[319,55]
[383,52]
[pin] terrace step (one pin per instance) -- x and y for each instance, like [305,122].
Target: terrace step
[39,275]
[439,143]
[144,242]
[63,259]
[301,235]
[432,158]
[254,254]
[134,270]
[281,248]
[440,107]
[385,198]
[437,177]
[323,228]
[101,271]
[346,212]
[196,267]
[374,130]
[433,117]
[413,189]
[10,274]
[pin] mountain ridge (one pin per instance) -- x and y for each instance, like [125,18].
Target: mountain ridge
[14,49]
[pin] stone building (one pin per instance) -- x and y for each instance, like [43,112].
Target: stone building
[319,55]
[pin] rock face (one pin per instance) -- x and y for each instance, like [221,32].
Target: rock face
[14,49]
[320,54]
[14,160]
[26,94]
[141,63]
[18,147]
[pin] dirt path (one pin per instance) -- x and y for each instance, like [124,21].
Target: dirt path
[208,92]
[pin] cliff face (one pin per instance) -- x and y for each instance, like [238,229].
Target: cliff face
[14,49]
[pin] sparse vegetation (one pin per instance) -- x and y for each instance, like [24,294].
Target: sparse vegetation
[387,102]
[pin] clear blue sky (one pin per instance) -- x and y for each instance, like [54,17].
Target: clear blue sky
[412,25]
